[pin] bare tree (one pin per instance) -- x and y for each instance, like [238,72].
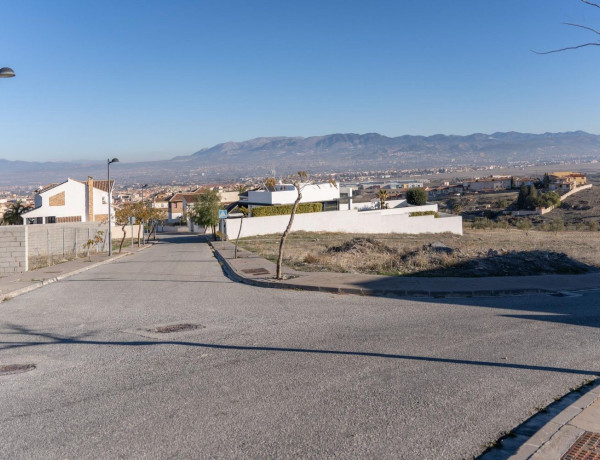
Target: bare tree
[299,183]
[582,45]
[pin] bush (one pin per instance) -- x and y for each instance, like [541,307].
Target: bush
[262,211]
[557,225]
[424,213]
[593,226]
[416,196]
[483,223]
[524,224]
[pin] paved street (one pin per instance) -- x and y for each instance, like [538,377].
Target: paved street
[275,373]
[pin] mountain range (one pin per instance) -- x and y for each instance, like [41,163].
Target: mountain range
[333,152]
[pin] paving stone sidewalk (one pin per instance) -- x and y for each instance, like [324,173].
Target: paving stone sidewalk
[252,269]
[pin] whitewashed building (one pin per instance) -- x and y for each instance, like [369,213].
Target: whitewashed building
[70,201]
[327,193]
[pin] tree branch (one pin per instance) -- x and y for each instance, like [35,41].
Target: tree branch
[567,48]
[591,3]
[583,27]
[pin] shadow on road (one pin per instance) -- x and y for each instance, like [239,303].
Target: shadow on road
[82,339]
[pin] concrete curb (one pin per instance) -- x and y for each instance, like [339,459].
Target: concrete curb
[550,433]
[234,275]
[39,284]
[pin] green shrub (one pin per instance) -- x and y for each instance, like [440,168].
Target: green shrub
[424,213]
[524,224]
[557,225]
[483,223]
[262,211]
[416,196]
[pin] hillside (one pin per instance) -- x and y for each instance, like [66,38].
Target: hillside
[333,152]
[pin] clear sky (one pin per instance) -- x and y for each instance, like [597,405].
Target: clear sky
[148,79]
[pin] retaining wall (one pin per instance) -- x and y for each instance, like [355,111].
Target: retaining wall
[379,221]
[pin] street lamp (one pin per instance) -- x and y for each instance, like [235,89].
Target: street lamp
[6,72]
[108,162]
[142,222]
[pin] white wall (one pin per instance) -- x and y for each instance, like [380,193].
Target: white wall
[101,202]
[379,221]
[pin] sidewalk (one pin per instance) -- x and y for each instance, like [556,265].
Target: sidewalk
[12,285]
[251,269]
[567,429]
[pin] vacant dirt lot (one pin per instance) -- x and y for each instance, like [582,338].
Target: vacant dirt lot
[476,253]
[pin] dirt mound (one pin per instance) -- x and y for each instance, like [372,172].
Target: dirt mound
[510,263]
[361,246]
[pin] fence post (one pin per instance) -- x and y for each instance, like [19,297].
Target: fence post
[75,249]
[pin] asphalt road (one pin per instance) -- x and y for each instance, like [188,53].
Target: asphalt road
[275,373]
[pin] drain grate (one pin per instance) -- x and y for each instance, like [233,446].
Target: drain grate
[586,447]
[8,369]
[175,328]
[256,271]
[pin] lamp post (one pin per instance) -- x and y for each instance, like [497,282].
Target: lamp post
[142,223]
[108,162]
[7,72]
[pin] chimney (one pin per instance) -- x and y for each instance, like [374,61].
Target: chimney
[90,199]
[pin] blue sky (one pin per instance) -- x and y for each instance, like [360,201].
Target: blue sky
[153,79]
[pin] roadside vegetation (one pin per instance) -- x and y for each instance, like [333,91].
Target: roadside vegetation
[487,252]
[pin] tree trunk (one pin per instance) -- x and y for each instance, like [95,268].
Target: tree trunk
[238,238]
[139,230]
[279,275]
[122,239]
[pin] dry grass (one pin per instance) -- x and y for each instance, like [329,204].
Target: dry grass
[476,253]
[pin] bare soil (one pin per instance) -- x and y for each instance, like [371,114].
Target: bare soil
[476,253]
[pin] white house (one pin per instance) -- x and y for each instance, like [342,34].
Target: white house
[70,201]
[328,194]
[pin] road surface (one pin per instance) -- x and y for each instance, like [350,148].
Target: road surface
[275,373]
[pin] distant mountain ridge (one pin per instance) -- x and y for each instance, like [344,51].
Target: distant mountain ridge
[332,152]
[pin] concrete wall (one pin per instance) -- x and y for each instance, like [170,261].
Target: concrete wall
[13,249]
[20,244]
[379,221]
[576,190]
[63,239]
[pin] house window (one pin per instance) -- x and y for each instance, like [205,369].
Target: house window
[51,220]
[39,220]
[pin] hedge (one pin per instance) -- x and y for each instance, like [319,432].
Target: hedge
[262,211]
[424,213]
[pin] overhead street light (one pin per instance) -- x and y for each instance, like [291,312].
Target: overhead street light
[6,72]
[108,163]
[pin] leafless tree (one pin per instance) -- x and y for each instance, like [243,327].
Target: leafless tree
[582,45]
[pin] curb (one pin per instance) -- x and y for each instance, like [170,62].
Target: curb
[234,275]
[548,433]
[39,284]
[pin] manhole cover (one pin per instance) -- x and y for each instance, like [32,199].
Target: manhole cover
[8,369]
[586,447]
[174,328]
[256,271]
